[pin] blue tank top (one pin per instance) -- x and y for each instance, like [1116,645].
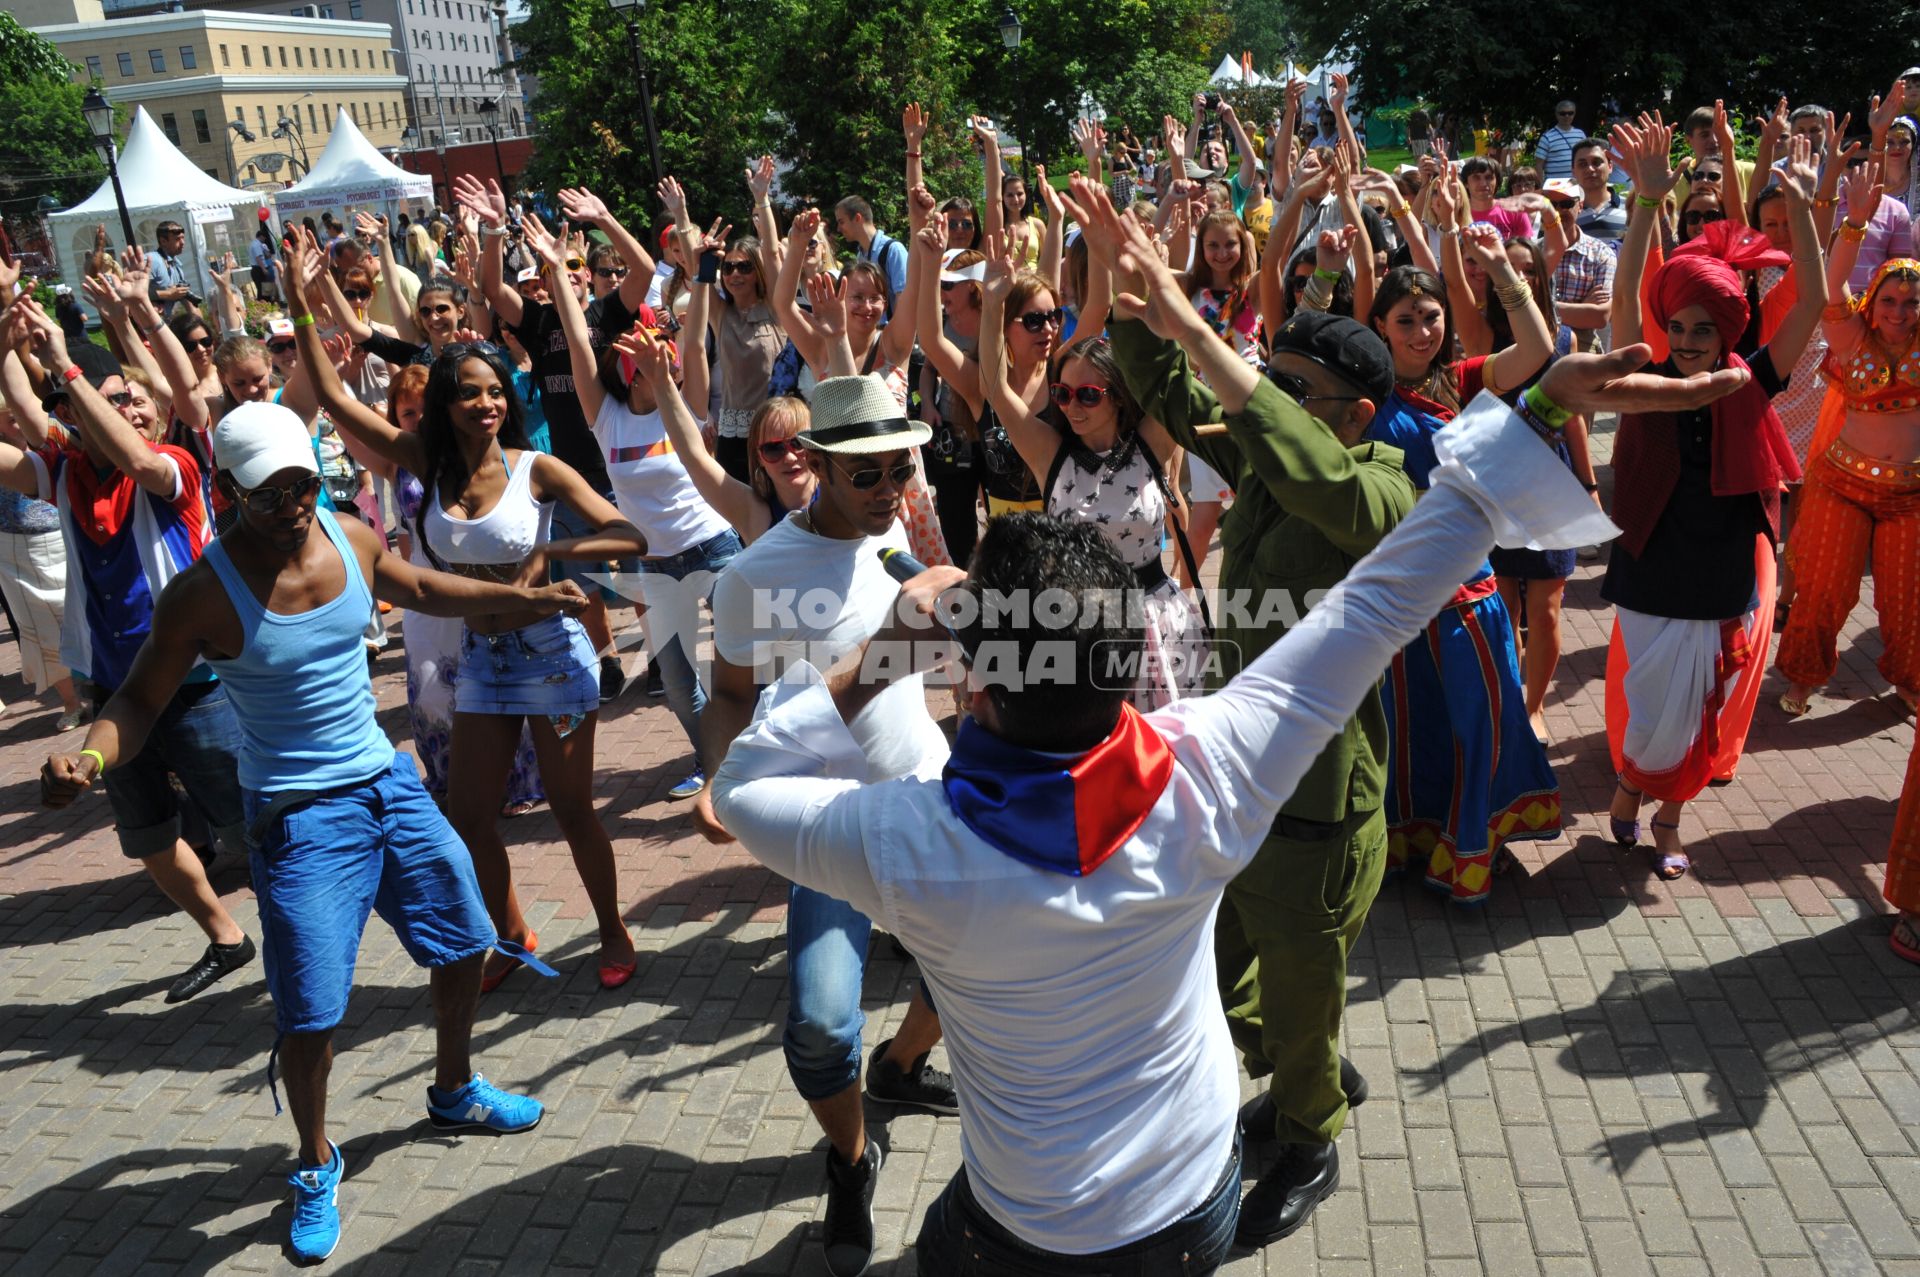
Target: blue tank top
[300,687]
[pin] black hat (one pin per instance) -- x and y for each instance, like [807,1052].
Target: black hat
[1344,345]
[95,363]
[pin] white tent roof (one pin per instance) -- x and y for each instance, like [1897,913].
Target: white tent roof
[154,174]
[351,171]
[1228,72]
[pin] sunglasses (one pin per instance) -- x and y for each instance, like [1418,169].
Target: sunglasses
[867,480]
[198,343]
[1296,389]
[736,268]
[267,500]
[1088,396]
[356,294]
[444,308]
[281,347]
[1565,115]
[1706,175]
[575,263]
[1702,217]
[1035,320]
[610,272]
[778,450]
[120,398]
[959,223]
[1297,282]
[948,285]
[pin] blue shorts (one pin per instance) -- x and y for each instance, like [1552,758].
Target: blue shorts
[322,862]
[544,670]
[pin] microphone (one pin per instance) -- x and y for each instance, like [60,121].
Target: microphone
[900,565]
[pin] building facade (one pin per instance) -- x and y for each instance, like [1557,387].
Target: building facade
[281,80]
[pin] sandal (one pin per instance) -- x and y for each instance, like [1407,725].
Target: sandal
[491,980]
[1794,706]
[615,974]
[1669,865]
[1626,833]
[1909,947]
[514,810]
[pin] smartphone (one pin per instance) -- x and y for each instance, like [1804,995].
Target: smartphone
[709,267]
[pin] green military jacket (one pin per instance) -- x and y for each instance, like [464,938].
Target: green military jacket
[1305,509]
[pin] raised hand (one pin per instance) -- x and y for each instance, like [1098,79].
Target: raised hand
[485,198]
[544,243]
[983,132]
[1331,249]
[653,359]
[340,350]
[829,303]
[913,124]
[933,236]
[760,179]
[9,276]
[1863,193]
[48,341]
[673,198]
[1801,177]
[716,237]
[1343,166]
[105,297]
[1296,96]
[1444,203]
[1056,212]
[1176,139]
[1645,151]
[578,204]
[1483,244]
[367,226]
[471,337]
[1882,112]
[920,200]
[1091,139]
[1337,92]
[1776,127]
[1610,383]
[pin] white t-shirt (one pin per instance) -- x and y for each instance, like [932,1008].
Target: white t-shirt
[662,272]
[794,595]
[650,484]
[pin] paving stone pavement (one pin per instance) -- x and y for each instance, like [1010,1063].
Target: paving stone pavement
[1597,1072]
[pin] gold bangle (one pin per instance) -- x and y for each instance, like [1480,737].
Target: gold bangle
[1395,214]
[1833,202]
[1514,296]
[1851,233]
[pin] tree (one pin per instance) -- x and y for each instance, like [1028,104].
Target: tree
[1262,28]
[46,149]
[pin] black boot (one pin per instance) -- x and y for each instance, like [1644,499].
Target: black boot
[1285,1196]
[1256,1115]
[848,1237]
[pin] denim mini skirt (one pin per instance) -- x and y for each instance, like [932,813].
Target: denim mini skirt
[546,669]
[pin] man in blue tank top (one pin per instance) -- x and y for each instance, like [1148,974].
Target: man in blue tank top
[339,825]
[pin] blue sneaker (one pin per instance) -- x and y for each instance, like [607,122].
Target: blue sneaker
[316,1208]
[481,1103]
[691,786]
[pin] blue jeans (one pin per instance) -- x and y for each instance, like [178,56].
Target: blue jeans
[826,966]
[196,738]
[959,1239]
[673,622]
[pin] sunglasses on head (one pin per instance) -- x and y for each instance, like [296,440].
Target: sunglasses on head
[778,450]
[1703,216]
[1036,320]
[867,480]
[198,343]
[356,294]
[1296,389]
[281,345]
[1088,396]
[736,268]
[610,272]
[267,500]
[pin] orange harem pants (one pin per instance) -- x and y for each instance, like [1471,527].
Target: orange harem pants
[1902,888]
[1849,517]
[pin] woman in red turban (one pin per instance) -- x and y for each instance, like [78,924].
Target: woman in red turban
[1697,498]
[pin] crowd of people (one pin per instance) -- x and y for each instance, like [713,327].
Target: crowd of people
[1375,389]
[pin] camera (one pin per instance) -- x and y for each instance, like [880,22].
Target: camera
[1212,101]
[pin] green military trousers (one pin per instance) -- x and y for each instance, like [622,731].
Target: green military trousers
[1285,928]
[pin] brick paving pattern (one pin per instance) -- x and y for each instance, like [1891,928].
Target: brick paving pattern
[1597,1072]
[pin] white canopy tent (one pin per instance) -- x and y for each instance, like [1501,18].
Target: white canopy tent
[351,174]
[1231,74]
[160,184]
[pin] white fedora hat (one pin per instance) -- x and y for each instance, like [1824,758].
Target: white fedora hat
[859,415]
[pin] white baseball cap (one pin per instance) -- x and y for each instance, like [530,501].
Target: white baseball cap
[279,326]
[528,275]
[256,441]
[976,272]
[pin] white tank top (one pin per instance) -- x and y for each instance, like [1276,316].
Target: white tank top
[507,533]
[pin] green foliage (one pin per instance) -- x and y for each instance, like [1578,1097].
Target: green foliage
[1262,28]
[45,149]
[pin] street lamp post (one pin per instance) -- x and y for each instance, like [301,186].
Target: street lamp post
[491,110]
[233,127]
[99,116]
[288,129]
[630,10]
[1009,25]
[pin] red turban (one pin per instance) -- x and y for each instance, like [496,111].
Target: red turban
[1704,271]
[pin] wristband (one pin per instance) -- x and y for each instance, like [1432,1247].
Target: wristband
[913,155]
[1395,214]
[1545,410]
[1851,233]
[1331,276]
[303,321]
[99,762]
[1830,202]
[492,232]
[1646,201]
[71,375]
[158,324]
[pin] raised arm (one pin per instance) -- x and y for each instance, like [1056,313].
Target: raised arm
[490,205]
[733,500]
[1790,336]
[1273,263]
[1733,192]
[583,208]
[913,127]
[994,217]
[1845,329]
[402,448]
[1249,157]
[123,447]
[799,326]
[766,227]
[229,312]
[698,382]
[1532,340]
[1035,440]
[1337,99]
[104,293]
[1772,133]
[961,374]
[896,339]
[573,322]
[167,352]
[1644,149]
[1053,241]
[1359,245]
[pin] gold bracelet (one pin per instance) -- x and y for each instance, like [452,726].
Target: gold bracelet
[1832,202]
[1395,214]
[1851,233]
[1514,296]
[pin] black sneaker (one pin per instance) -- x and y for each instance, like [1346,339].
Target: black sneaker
[848,1235]
[1256,1115]
[926,1089]
[216,962]
[656,686]
[613,679]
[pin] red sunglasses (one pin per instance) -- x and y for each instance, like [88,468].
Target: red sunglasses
[778,450]
[1089,396]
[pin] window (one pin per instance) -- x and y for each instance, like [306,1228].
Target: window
[93,67]
[157,59]
[263,117]
[299,57]
[356,10]
[441,36]
[283,55]
[383,115]
[126,64]
[312,123]
[214,174]
[246,55]
[328,55]
[225,61]
[326,11]
[171,127]
[353,109]
[188,61]
[266,56]
[409,6]
[356,59]
[201,132]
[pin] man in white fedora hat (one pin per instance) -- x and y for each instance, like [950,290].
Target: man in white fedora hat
[811,588]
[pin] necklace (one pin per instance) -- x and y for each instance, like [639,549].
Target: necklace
[1419,383]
